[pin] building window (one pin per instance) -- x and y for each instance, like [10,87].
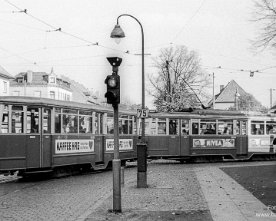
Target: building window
[5,86]
[52,80]
[37,93]
[68,97]
[52,94]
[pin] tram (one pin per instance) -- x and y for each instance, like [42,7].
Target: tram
[39,135]
[211,135]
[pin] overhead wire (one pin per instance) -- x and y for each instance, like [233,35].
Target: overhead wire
[189,20]
[25,11]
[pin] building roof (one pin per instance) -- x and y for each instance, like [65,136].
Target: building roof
[228,93]
[5,74]
[80,92]
[38,78]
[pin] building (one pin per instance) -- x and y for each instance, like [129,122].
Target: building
[5,78]
[40,84]
[228,96]
[82,94]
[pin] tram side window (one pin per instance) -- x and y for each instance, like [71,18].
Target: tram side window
[98,125]
[47,121]
[207,127]
[110,125]
[195,128]
[225,127]
[270,127]
[130,125]
[173,127]
[135,123]
[240,128]
[32,120]
[257,128]
[123,125]
[4,117]
[70,123]
[185,127]
[58,121]
[85,122]
[17,119]
[161,126]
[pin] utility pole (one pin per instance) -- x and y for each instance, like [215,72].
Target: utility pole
[169,82]
[271,100]
[214,100]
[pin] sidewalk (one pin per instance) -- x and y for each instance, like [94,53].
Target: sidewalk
[182,192]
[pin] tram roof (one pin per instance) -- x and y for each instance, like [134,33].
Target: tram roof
[201,113]
[46,102]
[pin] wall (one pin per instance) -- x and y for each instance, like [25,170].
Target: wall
[2,92]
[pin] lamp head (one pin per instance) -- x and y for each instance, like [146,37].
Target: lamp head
[117,33]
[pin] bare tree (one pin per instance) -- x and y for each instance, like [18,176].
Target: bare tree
[180,82]
[265,15]
[248,102]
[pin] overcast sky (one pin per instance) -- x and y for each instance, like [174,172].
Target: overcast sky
[220,31]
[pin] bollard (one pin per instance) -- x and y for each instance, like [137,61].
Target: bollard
[142,165]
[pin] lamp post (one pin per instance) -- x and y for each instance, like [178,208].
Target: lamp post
[117,34]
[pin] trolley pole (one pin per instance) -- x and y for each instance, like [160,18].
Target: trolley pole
[113,97]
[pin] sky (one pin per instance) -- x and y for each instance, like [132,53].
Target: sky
[221,32]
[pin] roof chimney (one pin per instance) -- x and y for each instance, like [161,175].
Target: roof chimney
[221,87]
[29,76]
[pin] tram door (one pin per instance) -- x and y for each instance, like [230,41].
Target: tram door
[46,137]
[174,139]
[33,144]
[184,131]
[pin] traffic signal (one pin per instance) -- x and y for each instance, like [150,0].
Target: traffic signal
[113,89]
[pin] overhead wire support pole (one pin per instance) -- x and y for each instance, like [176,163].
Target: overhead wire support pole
[214,99]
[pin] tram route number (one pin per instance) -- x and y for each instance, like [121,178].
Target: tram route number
[142,113]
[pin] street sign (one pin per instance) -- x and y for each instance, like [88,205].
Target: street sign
[142,113]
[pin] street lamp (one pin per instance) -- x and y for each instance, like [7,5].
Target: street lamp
[117,34]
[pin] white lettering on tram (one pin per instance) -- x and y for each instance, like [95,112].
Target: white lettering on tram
[198,143]
[124,144]
[74,146]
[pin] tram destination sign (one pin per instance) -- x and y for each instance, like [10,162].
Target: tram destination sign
[74,146]
[214,143]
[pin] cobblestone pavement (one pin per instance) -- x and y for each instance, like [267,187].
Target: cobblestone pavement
[56,199]
[176,192]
